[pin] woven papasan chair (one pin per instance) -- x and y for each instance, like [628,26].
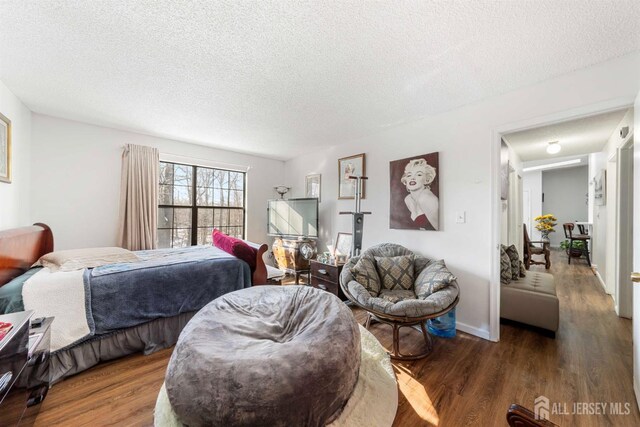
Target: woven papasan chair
[399,288]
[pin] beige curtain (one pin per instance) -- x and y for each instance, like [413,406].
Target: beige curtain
[139,198]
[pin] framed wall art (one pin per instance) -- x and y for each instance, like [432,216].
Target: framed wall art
[5,149]
[312,186]
[350,166]
[415,192]
[343,244]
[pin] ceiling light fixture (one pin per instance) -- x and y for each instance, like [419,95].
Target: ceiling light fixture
[552,165]
[554,147]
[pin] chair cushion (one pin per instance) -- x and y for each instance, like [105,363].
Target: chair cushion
[396,295]
[514,258]
[538,282]
[505,267]
[396,272]
[434,277]
[409,307]
[365,273]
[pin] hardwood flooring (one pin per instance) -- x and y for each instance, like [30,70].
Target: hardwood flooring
[465,381]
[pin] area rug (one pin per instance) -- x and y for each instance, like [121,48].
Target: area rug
[373,403]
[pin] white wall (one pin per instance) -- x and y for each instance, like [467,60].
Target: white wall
[465,139]
[14,197]
[604,224]
[598,163]
[532,182]
[565,196]
[76,179]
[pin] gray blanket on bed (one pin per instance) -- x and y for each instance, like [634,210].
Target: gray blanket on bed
[170,283]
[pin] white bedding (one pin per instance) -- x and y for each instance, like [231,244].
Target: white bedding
[59,294]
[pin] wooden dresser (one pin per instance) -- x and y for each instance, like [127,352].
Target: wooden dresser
[24,369]
[327,277]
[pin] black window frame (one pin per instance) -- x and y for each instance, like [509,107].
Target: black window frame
[194,202]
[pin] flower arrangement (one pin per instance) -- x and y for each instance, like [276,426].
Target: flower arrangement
[545,224]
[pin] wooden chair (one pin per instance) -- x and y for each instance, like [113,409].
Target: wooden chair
[519,416]
[568,233]
[530,249]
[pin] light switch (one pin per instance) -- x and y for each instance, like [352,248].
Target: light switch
[461,217]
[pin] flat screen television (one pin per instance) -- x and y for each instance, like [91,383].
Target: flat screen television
[293,218]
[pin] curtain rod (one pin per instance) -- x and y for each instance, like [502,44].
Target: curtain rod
[234,165]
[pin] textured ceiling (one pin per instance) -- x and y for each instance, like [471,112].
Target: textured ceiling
[279,77]
[576,137]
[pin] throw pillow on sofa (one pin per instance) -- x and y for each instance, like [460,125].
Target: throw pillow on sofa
[514,258]
[523,271]
[433,278]
[396,272]
[364,272]
[505,267]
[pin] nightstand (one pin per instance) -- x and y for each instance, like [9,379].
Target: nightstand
[327,277]
[24,369]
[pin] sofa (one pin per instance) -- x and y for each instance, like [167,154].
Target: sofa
[529,297]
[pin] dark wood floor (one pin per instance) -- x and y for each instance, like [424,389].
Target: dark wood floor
[465,381]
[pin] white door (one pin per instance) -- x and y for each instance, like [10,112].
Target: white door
[636,252]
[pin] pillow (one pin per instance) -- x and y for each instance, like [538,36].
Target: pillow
[514,257]
[236,247]
[522,270]
[364,272]
[11,292]
[433,278]
[77,259]
[396,272]
[505,267]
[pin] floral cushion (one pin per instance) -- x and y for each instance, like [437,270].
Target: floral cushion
[434,277]
[365,273]
[396,272]
[505,267]
[514,258]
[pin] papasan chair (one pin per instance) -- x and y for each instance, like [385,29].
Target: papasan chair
[399,288]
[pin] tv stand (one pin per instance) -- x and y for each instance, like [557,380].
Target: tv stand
[289,258]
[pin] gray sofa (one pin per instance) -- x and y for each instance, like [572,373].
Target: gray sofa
[531,300]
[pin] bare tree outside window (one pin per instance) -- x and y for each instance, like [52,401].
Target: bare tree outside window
[194,200]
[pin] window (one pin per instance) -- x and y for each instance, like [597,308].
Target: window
[194,200]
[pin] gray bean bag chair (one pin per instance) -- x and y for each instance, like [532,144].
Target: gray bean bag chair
[265,356]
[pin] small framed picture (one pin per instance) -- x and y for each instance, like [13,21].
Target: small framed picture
[350,166]
[343,245]
[5,149]
[312,186]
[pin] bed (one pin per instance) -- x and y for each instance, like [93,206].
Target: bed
[128,307]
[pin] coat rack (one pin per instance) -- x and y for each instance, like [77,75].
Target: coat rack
[357,218]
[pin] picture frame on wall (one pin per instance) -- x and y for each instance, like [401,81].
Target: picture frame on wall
[504,170]
[5,149]
[600,188]
[312,186]
[414,185]
[350,166]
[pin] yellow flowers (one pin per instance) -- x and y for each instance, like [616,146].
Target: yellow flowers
[546,223]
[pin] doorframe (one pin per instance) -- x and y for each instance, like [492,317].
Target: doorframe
[494,186]
[624,240]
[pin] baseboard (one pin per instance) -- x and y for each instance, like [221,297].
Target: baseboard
[482,333]
[600,279]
